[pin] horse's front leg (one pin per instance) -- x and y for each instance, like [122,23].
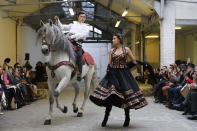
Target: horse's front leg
[76,87]
[63,83]
[51,86]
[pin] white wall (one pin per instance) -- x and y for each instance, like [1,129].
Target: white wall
[7,39]
[186,10]
[28,45]
[100,54]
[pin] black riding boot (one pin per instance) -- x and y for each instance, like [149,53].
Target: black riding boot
[107,113]
[127,118]
[79,62]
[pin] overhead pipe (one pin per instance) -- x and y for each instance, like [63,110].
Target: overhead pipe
[119,17]
[11,1]
[39,3]
[161,9]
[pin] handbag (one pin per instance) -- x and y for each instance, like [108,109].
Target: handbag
[185,90]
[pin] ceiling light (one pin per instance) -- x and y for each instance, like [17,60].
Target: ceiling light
[178,28]
[65,0]
[125,12]
[117,23]
[152,36]
[71,11]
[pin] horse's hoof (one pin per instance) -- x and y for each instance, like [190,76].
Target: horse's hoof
[76,110]
[65,109]
[47,122]
[80,114]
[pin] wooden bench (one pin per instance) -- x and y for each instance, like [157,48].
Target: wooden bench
[43,93]
[146,89]
[42,88]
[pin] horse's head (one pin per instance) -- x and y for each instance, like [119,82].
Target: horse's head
[47,35]
[53,39]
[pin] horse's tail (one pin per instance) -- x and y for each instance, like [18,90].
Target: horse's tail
[94,81]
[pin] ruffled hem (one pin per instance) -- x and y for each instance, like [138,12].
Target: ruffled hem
[126,99]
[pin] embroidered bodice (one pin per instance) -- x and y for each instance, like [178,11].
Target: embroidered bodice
[119,61]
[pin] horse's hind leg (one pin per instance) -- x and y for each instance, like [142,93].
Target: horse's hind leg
[86,94]
[63,109]
[76,87]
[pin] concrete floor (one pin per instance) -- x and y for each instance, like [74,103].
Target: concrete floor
[154,117]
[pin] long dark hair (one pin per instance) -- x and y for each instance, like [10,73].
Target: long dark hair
[119,36]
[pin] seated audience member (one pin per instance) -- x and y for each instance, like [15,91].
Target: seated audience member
[9,92]
[149,77]
[21,83]
[16,83]
[190,102]
[146,74]
[174,79]
[28,81]
[12,83]
[6,63]
[175,93]
[156,74]
[163,80]
[40,72]
[28,65]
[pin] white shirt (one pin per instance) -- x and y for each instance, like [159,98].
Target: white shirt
[80,31]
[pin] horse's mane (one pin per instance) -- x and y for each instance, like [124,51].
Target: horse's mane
[55,35]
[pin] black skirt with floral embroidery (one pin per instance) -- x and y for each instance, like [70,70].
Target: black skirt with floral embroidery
[120,89]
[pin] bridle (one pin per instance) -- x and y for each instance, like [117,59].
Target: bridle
[54,67]
[44,42]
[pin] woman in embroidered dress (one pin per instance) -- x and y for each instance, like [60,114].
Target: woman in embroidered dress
[118,88]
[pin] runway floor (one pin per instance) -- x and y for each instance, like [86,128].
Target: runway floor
[154,117]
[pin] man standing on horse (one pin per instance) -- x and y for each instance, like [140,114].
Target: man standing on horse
[78,32]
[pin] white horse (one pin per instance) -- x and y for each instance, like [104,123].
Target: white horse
[60,68]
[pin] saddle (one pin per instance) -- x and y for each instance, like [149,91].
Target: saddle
[86,57]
